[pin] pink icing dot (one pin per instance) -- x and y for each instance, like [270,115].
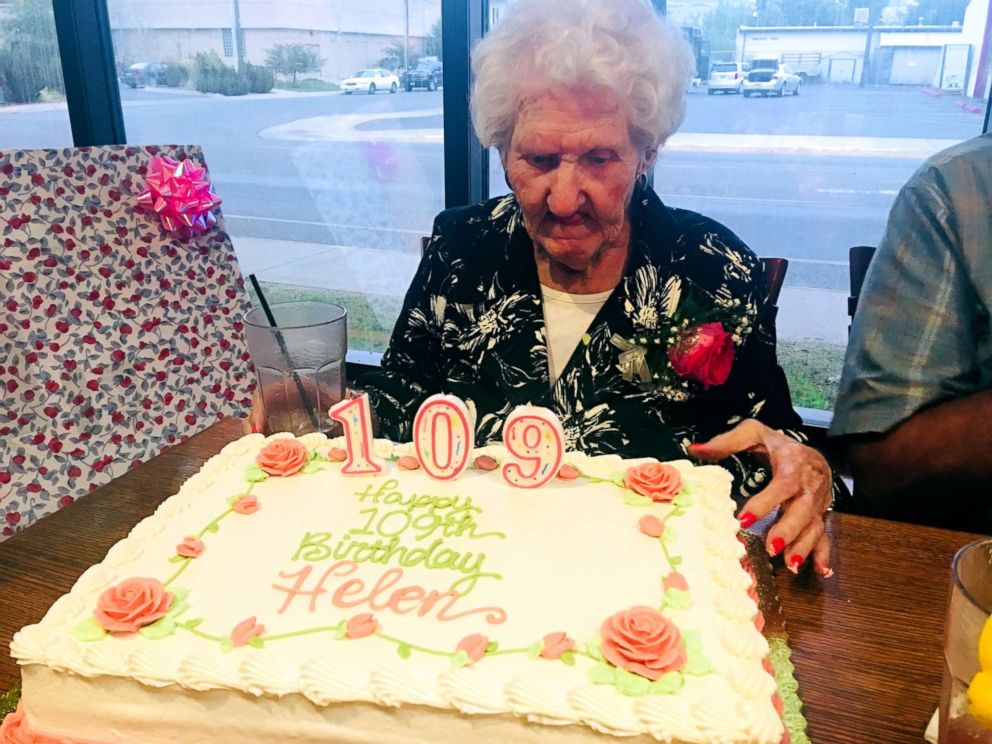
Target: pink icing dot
[361,626]
[190,547]
[247,504]
[568,472]
[675,580]
[408,462]
[485,462]
[336,454]
[651,526]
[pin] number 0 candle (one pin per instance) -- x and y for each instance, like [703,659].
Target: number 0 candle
[442,436]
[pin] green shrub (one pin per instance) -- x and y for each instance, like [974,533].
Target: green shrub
[223,79]
[260,79]
[176,75]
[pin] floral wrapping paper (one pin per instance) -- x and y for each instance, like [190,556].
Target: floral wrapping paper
[117,339]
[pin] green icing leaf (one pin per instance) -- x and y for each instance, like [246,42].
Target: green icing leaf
[226,646]
[534,649]
[492,646]
[88,631]
[568,658]
[312,467]
[213,527]
[635,499]
[180,593]
[196,622]
[667,684]
[675,560]
[602,674]
[177,559]
[341,631]
[254,474]
[592,648]
[403,650]
[668,535]
[697,665]
[676,599]
[683,500]
[161,628]
[631,685]
[256,642]
[314,455]
[617,478]
[459,660]
[692,641]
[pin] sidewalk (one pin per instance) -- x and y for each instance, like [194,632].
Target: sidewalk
[804,313]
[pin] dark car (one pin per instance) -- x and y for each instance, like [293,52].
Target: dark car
[145,73]
[427,74]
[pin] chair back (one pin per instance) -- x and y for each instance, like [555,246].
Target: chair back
[775,271]
[117,338]
[859,259]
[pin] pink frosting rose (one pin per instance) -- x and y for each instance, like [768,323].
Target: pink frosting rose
[247,504]
[283,456]
[474,646]
[568,472]
[703,353]
[643,641]
[486,462]
[336,454]
[190,547]
[245,631]
[656,480]
[361,626]
[555,644]
[133,603]
[408,462]
[651,526]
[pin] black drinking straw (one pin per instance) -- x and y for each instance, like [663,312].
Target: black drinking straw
[285,352]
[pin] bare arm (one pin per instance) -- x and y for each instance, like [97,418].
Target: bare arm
[941,457]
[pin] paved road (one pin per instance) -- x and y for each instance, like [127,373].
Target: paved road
[380,186]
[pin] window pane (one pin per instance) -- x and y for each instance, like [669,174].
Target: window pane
[32,97]
[329,178]
[803,155]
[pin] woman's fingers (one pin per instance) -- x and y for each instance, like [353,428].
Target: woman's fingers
[821,558]
[796,552]
[255,423]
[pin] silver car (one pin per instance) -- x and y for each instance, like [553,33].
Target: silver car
[775,82]
[727,77]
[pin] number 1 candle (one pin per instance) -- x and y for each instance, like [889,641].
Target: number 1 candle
[355,416]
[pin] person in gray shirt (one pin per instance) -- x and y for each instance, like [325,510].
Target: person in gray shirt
[915,402]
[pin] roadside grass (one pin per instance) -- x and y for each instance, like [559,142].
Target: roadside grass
[813,370]
[370,318]
[309,85]
[812,367]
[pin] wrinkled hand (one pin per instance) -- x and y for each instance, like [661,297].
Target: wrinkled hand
[801,484]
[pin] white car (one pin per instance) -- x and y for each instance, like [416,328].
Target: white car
[727,77]
[369,81]
[775,82]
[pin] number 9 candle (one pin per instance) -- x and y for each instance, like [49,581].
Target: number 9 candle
[536,441]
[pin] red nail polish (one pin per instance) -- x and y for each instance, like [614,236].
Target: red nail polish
[777,546]
[747,519]
[796,560]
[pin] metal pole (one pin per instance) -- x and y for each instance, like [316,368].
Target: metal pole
[238,44]
[406,37]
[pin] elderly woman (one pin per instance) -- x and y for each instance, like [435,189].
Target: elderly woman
[644,328]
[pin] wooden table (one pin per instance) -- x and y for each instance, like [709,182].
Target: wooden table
[866,643]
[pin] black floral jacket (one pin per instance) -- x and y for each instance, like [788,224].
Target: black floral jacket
[472,325]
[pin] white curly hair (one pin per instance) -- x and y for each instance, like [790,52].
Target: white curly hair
[620,44]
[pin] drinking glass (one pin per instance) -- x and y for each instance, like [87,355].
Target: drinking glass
[299,363]
[971,603]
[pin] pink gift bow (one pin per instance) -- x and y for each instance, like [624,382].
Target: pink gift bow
[180,195]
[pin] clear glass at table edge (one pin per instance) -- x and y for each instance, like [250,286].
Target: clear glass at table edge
[969,609]
[299,363]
